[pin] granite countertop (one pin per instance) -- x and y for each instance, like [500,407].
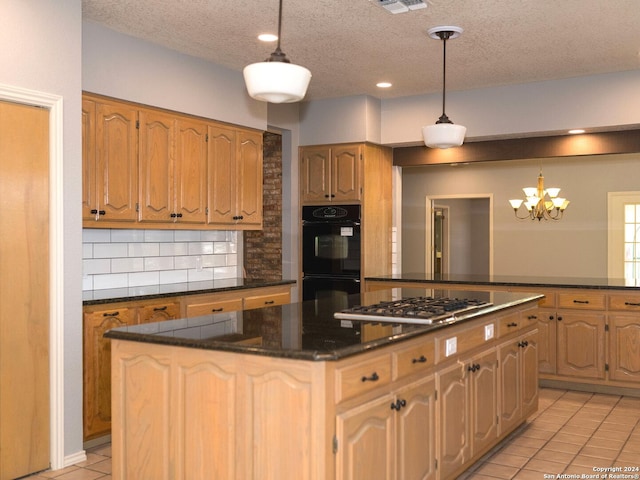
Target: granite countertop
[520,280]
[306,330]
[112,295]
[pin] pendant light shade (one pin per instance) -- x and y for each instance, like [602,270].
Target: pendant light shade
[277,80]
[444,134]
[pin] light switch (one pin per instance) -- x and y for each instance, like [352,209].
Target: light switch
[488,331]
[451,346]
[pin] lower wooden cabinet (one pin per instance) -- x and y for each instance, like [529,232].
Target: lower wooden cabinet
[392,436]
[624,348]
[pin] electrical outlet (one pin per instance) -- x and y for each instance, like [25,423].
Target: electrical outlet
[450,346]
[488,332]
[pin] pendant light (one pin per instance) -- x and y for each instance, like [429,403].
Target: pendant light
[277,80]
[444,134]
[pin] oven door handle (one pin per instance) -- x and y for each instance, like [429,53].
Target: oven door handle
[339,224]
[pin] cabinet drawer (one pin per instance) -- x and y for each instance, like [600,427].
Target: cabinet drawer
[549,300]
[158,312]
[627,303]
[582,300]
[259,301]
[414,359]
[517,321]
[207,308]
[465,340]
[359,378]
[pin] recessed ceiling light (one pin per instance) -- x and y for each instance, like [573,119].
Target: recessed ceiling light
[383,84]
[267,37]
[576,131]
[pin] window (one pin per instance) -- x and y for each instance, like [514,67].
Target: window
[632,241]
[624,236]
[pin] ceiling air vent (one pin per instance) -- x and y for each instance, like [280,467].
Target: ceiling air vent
[400,6]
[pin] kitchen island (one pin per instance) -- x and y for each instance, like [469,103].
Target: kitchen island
[292,392]
[589,328]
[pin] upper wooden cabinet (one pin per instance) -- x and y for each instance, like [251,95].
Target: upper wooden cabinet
[109,162]
[331,173]
[173,168]
[235,177]
[160,169]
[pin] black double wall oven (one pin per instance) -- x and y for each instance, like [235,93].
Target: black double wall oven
[330,251]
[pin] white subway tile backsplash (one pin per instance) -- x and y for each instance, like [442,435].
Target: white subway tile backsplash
[96,235]
[201,248]
[174,249]
[144,249]
[96,266]
[109,250]
[139,259]
[160,236]
[144,278]
[186,236]
[158,263]
[173,276]
[119,280]
[125,265]
[127,236]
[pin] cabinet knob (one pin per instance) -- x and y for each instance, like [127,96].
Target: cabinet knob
[373,378]
[214,310]
[398,404]
[473,367]
[160,309]
[111,314]
[632,304]
[269,302]
[326,196]
[532,317]
[559,318]
[421,359]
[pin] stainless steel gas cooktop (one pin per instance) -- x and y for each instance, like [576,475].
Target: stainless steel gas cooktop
[423,310]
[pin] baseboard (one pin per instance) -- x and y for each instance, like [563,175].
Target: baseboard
[74,458]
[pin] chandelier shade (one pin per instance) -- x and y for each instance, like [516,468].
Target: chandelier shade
[444,134]
[277,80]
[540,203]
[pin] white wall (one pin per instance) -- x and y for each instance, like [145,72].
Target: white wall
[124,67]
[575,246]
[40,43]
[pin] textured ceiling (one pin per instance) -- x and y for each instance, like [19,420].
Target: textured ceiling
[350,45]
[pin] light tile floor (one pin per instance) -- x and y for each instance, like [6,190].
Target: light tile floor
[571,434]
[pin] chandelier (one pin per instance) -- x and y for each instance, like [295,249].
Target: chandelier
[277,80]
[540,203]
[444,134]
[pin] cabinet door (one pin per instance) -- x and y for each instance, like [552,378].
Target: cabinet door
[546,341]
[116,174]
[222,175]
[624,348]
[249,178]
[529,373]
[346,171]
[510,391]
[484,400]
[315,174]
[191,172]
[453,413]
[157,157]
[416,431]
[366,441]
[159,312]
[97,368]
[89,194]
[580,344]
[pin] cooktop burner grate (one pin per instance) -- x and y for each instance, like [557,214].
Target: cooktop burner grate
[416,309]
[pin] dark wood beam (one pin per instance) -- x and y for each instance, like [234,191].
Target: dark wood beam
[601,143]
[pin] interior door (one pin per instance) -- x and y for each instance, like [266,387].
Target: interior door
[24,290]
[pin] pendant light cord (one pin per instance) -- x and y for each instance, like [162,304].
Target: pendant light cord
[278,55]
[444,36]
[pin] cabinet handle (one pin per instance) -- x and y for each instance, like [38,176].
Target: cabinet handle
[93,212]
[213,310]
[523,344]
[632,304]
[512,324]
[269,302]
[102,212]
[421,359]
[398,404]
[333,195]
[373,378]
[179,215]
[160,309]
[173,215]
[581,301]
[551,317]
[532,317]
[559,318]
[473,367]
[111,314]
[326,196]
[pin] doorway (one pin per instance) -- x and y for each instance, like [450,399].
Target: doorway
[459,235]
